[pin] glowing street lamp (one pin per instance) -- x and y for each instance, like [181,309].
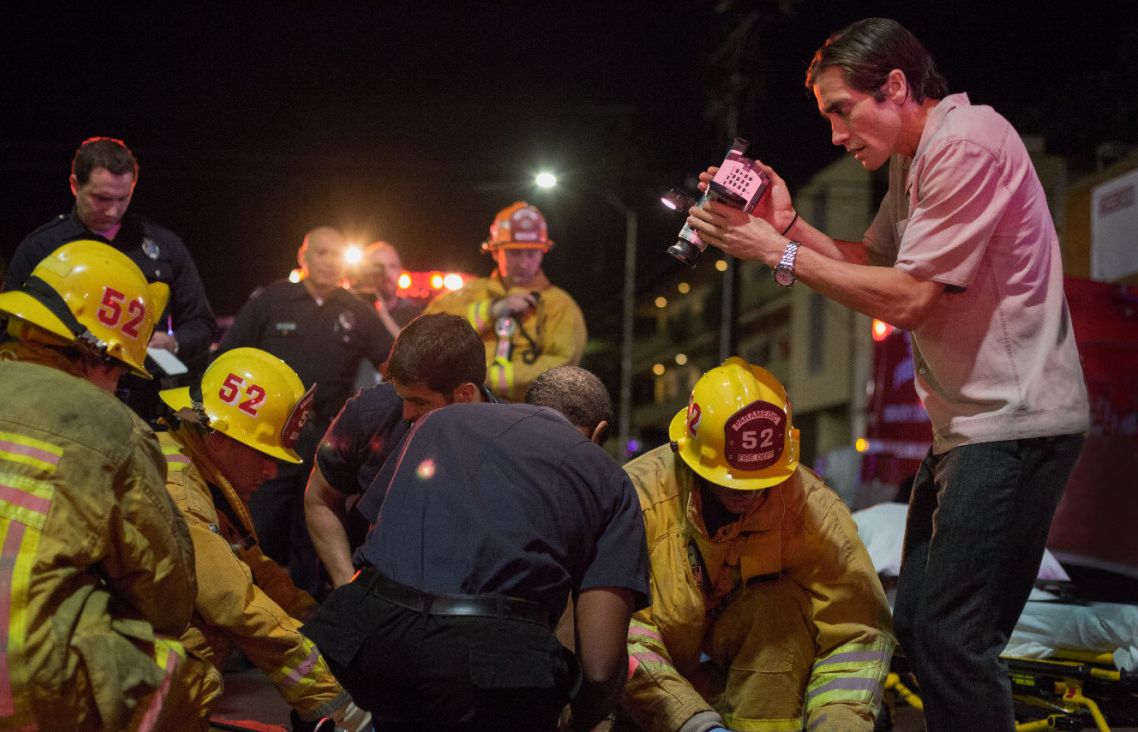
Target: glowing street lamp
[545,180]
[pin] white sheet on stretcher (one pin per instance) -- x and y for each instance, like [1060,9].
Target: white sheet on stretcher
[1101,627]
[1044,627]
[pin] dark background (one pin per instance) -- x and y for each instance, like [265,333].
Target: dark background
[416,122]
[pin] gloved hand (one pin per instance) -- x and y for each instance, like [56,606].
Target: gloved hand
[350,718]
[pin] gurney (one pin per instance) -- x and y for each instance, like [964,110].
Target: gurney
[1072,664]
[1072,690]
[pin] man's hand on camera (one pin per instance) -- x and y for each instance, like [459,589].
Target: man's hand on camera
[512,305]
[776,207]
[736,233]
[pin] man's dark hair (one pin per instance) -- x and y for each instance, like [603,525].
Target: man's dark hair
[866,51]
[102,152]
[440,351]
[575,392]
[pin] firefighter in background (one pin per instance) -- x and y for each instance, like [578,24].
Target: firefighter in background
[224,441]
[96,559]
[528,325]
[758,565]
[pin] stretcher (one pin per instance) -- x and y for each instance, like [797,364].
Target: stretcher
[1071,691]
[1072,664]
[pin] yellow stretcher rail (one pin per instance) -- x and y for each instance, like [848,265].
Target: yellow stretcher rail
[1055,686]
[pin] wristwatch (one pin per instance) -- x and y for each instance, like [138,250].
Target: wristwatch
[784,272]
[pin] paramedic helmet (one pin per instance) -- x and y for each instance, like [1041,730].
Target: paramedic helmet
[92,296]
[518,226]
[736,430]
[251,396]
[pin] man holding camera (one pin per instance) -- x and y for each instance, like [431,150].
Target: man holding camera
[527,325]
[964,255]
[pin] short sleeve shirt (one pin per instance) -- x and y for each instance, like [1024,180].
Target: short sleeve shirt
[322,341]
[509,499]
[996,359]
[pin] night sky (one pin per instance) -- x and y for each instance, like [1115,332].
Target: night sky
[416,122]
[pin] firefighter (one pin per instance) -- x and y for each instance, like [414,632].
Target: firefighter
[527,325]
[757,564]
[224,441]
[97,561]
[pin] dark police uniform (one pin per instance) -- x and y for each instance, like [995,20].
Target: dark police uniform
[364,433]
[486,519]
[162,257]
[323,343]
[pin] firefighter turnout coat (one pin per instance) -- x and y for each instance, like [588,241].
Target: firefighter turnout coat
[244,598]
[96,558]
[551,335]
[784,601]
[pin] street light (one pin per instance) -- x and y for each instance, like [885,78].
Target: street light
[548,180]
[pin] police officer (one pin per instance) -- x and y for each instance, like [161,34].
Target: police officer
[103,176]
[436,360]
[322,331]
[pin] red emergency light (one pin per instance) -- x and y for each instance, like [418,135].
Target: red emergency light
[881,330]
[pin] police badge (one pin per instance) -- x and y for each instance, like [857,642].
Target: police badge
[150,248]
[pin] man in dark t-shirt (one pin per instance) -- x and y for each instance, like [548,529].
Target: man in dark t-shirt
[486,521]
[436,360]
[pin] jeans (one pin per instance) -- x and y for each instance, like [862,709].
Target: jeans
[977,527]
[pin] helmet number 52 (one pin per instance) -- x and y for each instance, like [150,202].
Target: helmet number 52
[110,312]
[751,440]
[234,387]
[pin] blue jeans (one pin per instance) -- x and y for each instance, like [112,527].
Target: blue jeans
[977,527]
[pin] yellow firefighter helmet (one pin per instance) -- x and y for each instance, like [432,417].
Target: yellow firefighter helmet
[251,396]
[91,295]
[736,430]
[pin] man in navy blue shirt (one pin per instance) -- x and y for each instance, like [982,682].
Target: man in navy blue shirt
[436,360]
[486,520]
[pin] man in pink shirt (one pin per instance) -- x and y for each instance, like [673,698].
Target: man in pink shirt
[964,255]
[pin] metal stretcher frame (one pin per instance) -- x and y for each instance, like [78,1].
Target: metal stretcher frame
[1067,692]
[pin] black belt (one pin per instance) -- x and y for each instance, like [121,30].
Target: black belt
[491,606]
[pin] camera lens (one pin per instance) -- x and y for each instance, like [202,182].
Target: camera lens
[685,251]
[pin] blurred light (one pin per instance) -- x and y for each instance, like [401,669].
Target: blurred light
[295,276]
[632,446]
[721,265]
[661,302]
[545,179]
[681,359]
[426,469]
[677,200]
[658,369]
[437,281]
[353,254]
[684,288]
[881,330]
[404,281]
[452,281]
[861,444]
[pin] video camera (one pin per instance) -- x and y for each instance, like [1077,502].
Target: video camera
[739,183]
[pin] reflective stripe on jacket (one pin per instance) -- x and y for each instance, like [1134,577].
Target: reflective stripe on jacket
[557,328]
[96,558]
[244,598]
[801,543]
